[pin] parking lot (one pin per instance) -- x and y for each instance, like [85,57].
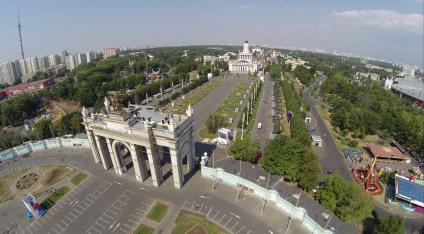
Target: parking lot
[228,220]
[121,216]
[68,209]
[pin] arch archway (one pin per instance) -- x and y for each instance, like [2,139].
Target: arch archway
[123,154]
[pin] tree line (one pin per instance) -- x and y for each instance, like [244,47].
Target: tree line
[364,107]
[292,157]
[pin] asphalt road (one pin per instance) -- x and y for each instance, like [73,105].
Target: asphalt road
[263,115]
[330,158]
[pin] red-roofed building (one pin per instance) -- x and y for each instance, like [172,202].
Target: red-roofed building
[388,153]
[27,87]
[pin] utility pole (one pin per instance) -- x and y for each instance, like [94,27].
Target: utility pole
[291,214]
[214,172]
[242,126]
[266,195]
[239,185]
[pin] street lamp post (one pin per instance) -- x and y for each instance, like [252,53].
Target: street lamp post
[291,213]
[214,172]
[239,182]
[266,195]
[242,126]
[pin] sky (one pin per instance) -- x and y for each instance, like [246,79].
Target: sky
[386,29]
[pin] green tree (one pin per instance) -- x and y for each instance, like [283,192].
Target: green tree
[42,129]
[310,171]
[214,122]
[349,202]
[245,150]
[392,224]
[283,156]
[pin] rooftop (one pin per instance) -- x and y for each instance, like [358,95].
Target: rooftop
[411,87]
[386,152]
[409,190]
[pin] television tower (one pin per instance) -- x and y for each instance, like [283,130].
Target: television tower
[20,35]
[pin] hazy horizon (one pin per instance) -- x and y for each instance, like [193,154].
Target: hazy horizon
[381,29]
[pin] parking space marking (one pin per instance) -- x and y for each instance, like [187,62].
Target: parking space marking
[107,219]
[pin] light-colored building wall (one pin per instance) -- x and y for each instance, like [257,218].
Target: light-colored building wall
[110,52]
[9,73]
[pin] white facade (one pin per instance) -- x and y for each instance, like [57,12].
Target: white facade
[91,56]
[82,59]
[54,60]
[245,62]
[43,63]
[209,59]
[9,73]
[71,62]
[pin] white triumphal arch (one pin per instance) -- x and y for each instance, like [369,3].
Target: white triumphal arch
[143,138]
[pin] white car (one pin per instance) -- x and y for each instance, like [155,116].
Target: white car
[259,125]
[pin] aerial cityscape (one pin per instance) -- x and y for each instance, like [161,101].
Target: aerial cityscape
[194,117]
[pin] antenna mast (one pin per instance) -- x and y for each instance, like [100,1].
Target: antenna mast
[20,35]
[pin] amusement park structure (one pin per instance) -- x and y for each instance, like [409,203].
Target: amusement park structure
[368,176]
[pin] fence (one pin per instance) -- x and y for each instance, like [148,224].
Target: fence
[297,213]
[54,143]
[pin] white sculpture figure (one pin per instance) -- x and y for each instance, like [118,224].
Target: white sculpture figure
[171,126]
[189,111]
[84,112]
[107,105]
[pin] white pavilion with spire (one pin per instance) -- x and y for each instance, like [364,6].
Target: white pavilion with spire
[245,62]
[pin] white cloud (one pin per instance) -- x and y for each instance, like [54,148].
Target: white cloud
[384,19]
[246,6]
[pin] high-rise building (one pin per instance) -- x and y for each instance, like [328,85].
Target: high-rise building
[110,52]
[82,59]
[63,57]
[91,56]
[54,60]
[43,63]
[71,61]
[9,73]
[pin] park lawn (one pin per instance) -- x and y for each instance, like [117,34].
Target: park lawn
[55,197]
[54,173]
[6,182]
[157,212]
[204,133]
[325,114]
[226,109]
[144,229]
[186,220]
[78,178]
[193,96]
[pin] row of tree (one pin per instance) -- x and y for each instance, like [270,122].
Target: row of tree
[42,129]
[364,107]
[292,157]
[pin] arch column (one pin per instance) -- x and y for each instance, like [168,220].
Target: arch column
[191,157]
[155,171]
[94,149]
[140,167]
[115,158]
[106,163]
[177,171]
